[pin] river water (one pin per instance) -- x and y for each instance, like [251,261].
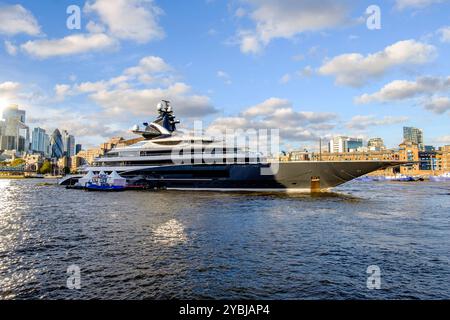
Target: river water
[192,245]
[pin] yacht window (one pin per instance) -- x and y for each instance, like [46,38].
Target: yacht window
[167,143]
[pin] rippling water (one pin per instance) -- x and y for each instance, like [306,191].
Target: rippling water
[167,244]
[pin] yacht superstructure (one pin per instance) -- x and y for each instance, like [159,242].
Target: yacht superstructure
[171,159]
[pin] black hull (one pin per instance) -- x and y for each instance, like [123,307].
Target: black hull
[289,176]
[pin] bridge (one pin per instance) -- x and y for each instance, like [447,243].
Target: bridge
[17,169]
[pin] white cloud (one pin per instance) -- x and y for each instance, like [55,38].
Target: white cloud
[61,91]
[149,64]
[404,4]
[249,42]
[267,107]
[277,113]
[285,19]
[10,48]
[438,105]
[122,95]
[15,19]
[285,78]
[399,90]
[9,89]
[306,72]
[445,34]
[94,27]
[89,128]
[70,45]
[135,20]
[361,122]
[142,101]
[355,70]
[444,140]
[224,76]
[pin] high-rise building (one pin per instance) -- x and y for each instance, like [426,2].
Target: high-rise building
[47,146]
[57,145]
[69,144]
[14,133]
[40,141]
[415,135]
[78,148]
[376,144]
[342,144]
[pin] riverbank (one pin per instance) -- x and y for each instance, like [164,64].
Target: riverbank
[11,177]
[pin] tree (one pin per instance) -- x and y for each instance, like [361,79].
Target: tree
[46,167]
[66,170]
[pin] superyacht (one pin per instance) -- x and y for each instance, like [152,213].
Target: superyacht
[167,158]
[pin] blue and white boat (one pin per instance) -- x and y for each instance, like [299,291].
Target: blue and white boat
[400,177]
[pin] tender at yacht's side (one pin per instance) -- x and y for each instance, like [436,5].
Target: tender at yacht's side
[169,159]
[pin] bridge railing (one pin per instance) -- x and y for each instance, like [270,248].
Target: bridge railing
[12,169]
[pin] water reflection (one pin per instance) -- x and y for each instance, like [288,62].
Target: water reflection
[189,245]
[170,233]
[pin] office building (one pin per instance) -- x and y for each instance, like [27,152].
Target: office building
[68,143]
[376,144]
[14,133]
[415,135]
[78,148]
[343,144]
[57,145]
[40,141]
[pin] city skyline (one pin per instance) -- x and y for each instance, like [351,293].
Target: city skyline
[244,64]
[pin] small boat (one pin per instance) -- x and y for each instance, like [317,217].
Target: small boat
[400,177]
[103,187]
[102,182]
[370,178]
[441,178]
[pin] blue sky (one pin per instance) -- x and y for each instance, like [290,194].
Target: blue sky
[311,69]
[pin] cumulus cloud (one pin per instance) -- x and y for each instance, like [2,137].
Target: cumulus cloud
[277,113]
[361,122]
[9,90]
[70,45]
[88,127]
[445,34]
[135,20]
[123,94]
[15,19]
[149,64]
[61,91]
[438,105]
[402,89]
[143,101]
[355,69]
[285,19]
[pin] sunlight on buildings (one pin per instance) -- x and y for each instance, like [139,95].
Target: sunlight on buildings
[3,104]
